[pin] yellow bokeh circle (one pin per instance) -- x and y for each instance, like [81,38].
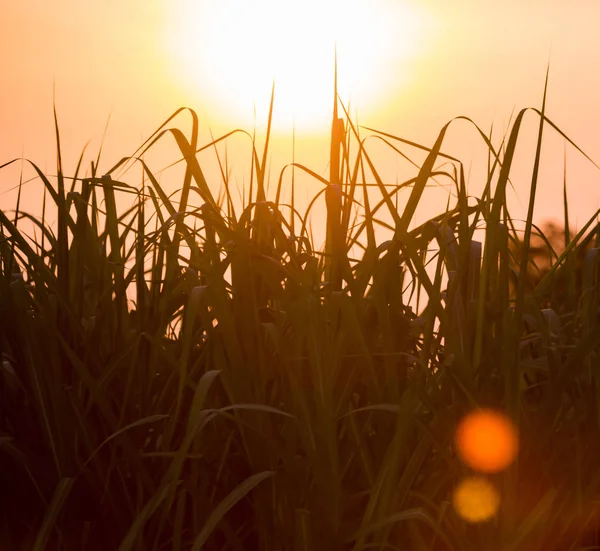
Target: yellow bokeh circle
[476,499]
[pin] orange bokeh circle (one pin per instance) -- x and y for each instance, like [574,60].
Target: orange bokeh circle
[487,441]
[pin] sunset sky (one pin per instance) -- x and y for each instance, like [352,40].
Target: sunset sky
[407,67]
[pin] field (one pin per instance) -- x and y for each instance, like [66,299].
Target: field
[182,375]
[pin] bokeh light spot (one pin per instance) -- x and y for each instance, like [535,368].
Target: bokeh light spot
[487,441]
[476,500]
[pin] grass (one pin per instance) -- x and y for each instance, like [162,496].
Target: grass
[179,375]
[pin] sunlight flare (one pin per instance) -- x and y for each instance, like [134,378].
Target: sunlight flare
[231,51]
[476,500]
[487,441]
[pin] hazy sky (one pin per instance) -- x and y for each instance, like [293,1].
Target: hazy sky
[412,67]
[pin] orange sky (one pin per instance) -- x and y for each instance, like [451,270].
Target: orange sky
[475,58]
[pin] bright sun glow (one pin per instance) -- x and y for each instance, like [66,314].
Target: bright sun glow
[232,50]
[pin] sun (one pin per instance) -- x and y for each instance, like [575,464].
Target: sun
[231,51]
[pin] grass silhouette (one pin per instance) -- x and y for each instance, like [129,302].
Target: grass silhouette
[179,375]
